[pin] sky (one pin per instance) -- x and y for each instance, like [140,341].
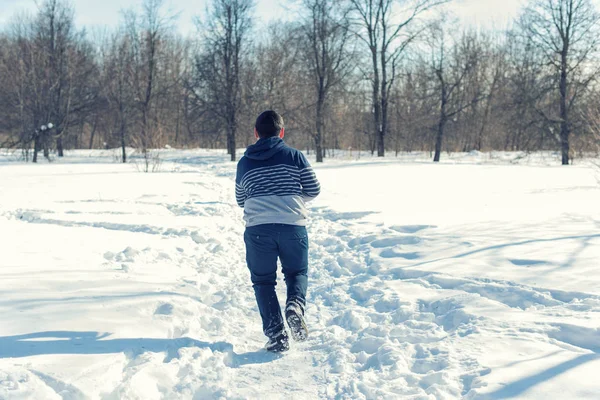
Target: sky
[93,13]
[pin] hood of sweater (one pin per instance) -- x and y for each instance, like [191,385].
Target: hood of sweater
[265,148]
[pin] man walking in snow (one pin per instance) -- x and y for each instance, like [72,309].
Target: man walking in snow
[273,182]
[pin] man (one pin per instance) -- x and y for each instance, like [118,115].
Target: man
[273,183]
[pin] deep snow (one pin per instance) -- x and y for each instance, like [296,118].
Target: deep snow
[476,278]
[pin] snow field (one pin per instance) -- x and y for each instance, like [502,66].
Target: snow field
[460,280]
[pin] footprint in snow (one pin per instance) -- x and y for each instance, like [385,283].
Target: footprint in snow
[391,253]
[164,309]
[394,241]
[411,228]
[527,263]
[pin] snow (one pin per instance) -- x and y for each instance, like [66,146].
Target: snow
[475,278]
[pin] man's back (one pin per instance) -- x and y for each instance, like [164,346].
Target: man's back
[273,183]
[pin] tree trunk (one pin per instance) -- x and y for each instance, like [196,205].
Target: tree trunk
[59,147]
[441,126]
[231,138]
[378,140]
[438,141]
[381,141]
[373,143]
[92,134]
[564,113]
[318,148]
[45,146]
[384,104]
[36,148]
[124,154]
[177,122]
[319,126]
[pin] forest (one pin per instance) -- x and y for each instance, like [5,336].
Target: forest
[383,76]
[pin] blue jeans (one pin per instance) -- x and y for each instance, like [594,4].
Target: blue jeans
[264,244]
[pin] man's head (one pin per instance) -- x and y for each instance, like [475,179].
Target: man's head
[268,124]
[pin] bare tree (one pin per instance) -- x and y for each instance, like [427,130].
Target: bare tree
[567,31]
[145,37]
[414,104]
[147,69]
[65,71]
[327,57]
[526,95]
[17,103]
[494,68]
[119,87]
[218,67]
[386,28]
[450,65]
[592,119]
[50,69]
[274,77]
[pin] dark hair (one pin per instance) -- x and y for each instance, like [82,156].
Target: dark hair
[268,124]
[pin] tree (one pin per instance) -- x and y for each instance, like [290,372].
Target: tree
[592,120]
[146,38]
[450,64]
[217,83]
[386,31]
[327,57]
[65,71]
[275,78]
[567,32]
[526,95]
[145,91]
[49,67]
[118,89]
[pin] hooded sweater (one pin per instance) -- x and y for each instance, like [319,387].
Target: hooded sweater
[273,182]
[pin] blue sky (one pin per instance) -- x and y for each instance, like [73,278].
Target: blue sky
[94,13]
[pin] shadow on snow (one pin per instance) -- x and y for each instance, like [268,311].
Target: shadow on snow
[518,387]
[584,238]
[70,342]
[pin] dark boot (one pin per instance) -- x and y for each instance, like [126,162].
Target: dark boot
[294,314]
[278,343]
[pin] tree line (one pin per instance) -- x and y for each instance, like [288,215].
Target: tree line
[377,75]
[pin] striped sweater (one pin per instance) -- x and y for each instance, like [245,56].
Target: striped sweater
[273,182]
